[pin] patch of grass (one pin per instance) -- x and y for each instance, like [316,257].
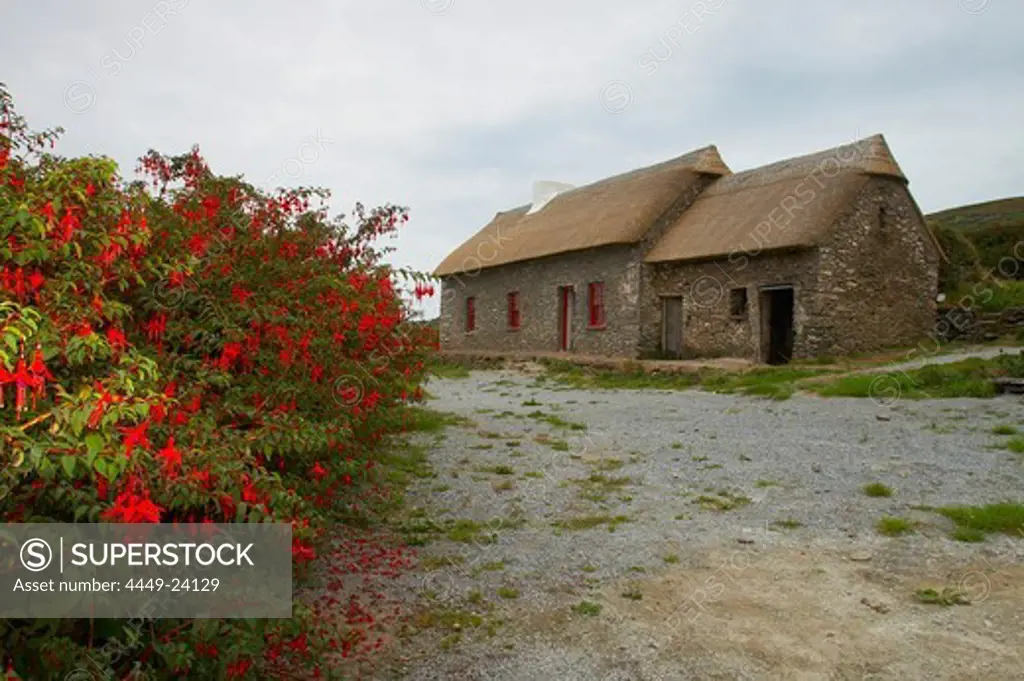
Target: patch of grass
[1007,518]
[555,421]
[493,566]
[892,526]
[513,443]
[424,420]
[877,489]
[764,484]
[498,470]
[1005,429]
[559,445]
[449,370]
[632,593]
[533,474]
[947,597]
[482,447]
[449,620]
[777,383]
[490,435]
[721,501]
[504,486]
[967,378]
[438,562]
[677,445]
[671,558]
[700,459]
[532,403]
[787,524]
[968,534]
[589,522]
[508,592]
[1015,445]
[587,608]
[609,464]
[589,568]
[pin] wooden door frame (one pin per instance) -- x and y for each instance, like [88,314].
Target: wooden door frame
[566,306]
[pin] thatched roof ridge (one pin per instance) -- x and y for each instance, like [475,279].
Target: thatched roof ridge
[616,210]
[787,204]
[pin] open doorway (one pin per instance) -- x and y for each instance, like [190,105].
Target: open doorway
[566,304]
[777,324]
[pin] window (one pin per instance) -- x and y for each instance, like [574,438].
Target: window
[513,310]
[595,299]
[738,303]
[882,215]
[470,314]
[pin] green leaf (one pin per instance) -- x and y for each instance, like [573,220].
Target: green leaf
[68,463]
[94,443]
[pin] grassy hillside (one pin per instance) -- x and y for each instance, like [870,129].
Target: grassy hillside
[983,241]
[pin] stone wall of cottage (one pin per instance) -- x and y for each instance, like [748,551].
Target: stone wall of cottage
[709,327]
[872,284]
[878,276]
[537,283]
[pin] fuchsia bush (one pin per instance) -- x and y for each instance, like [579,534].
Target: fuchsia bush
[188,348]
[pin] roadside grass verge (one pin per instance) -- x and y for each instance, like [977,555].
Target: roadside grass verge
[449,370]
[966,378]
[771,382]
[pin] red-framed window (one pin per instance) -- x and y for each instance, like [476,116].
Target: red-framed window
[513,310]
[595,303]
[470,313]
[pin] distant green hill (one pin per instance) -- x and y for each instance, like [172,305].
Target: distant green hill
[978,239]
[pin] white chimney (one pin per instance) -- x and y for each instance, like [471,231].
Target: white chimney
[544,191]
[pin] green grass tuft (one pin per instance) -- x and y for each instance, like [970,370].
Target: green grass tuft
[891,526]
[877,489]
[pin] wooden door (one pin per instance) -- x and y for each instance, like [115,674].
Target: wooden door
[565,318]
[672,326]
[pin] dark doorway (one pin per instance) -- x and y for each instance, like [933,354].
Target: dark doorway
[777,325]
[672,326]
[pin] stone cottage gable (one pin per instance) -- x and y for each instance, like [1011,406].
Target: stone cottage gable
[617,210]
[785,205]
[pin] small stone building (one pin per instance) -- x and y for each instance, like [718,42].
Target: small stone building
[824,254]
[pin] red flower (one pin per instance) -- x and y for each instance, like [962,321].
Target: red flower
[135,437]
[171,457]
[133,508]
[238,669]
[116,338]
[240,294]
[319,472]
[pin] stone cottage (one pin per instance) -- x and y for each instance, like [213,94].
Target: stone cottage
[823,254]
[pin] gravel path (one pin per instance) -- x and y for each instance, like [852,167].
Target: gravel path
[617,496]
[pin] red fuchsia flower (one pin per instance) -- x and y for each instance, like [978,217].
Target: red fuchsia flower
[117,340]
[84,329]
[318,472]
[171,457]
[175,278]
[240,294]
[102,488]
[133,508]
[197,245]
[239,669]
[68,224]
[135,437]
[90,189]
[302,552]
[227,506]
[39,372]
[23,381]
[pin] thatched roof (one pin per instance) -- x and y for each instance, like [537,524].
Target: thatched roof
[618,210]
[789,204]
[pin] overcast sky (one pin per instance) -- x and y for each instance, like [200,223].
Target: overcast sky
[454,108]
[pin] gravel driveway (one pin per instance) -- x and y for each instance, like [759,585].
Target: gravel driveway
[690,535]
